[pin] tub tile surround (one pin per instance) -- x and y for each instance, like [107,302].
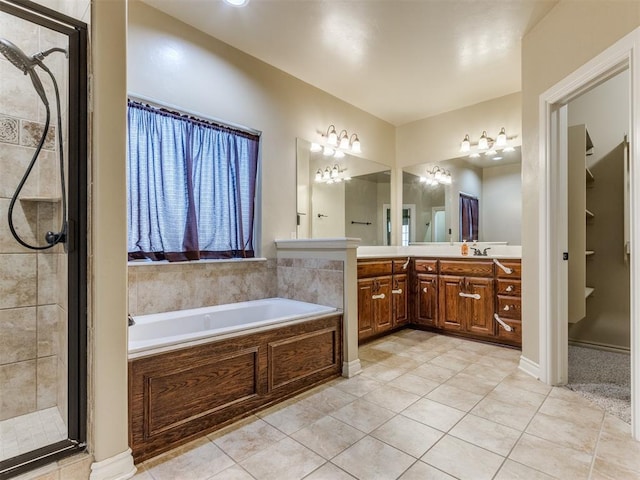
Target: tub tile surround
[429,434]
[164,287]
[313,280]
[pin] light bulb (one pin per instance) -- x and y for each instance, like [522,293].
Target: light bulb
[465,146]
[501,140]
[355,144]
[315,147]
[490,152]
[319,175]
[483,143]
[474,155]
[328,151]
[332,136]
[326,175]
[509,149]
[335,171]
[339,154]
[344,139]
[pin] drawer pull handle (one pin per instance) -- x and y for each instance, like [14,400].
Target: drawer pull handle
[378,297]
[506,270]
[509,288]
[429,269]
[508,328]
[506,308]
[397,291]
[475,296]
[425,289]
[406,264]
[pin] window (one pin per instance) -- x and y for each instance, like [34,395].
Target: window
[191,185]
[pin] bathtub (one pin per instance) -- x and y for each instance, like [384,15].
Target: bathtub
[160,330]
[194,371]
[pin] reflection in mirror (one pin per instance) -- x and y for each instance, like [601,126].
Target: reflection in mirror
[342,197]
[432,209]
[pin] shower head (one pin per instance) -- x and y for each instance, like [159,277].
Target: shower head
[24,63]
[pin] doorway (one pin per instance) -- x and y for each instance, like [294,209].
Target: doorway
[553,225]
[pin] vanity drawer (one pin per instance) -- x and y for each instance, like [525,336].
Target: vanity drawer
[401,265]
[515,335]
[374,268]
[468,268]
[426,266]
[509,307]
[509,287]
[515,266]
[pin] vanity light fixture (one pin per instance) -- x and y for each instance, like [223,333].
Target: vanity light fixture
[340,141]
[331,175]
[316,147]
[486,145]
[437,175]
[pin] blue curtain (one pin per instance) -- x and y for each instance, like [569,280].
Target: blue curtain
[191,187]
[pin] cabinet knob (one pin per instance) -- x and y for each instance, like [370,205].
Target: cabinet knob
[425,289]
[509,288]
[429,269]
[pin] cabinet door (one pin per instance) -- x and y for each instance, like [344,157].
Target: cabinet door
[426,300]
[365,308]
[479,317]
[382,308]
[399,295]
[451,306]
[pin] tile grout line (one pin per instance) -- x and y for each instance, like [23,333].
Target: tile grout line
[595,448]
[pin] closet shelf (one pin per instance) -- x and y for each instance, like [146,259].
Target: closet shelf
[40,199]
[588,291]
[590,177]
[589,213]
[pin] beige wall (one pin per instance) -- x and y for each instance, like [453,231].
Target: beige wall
[108,242]
[438,138]
[570,35]
[173,63]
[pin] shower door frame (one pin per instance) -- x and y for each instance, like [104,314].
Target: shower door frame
[77,121]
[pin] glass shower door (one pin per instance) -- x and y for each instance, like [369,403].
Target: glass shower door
[42,212]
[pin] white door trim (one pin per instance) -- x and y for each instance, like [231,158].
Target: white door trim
[625,53]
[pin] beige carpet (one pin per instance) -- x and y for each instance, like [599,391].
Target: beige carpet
[602,377]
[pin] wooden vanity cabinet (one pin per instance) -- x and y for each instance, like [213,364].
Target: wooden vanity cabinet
[461,296]
[375,308]
[508,302]
[425,293]
[466,297]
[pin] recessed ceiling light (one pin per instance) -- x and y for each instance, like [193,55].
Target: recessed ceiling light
[496,158]
[237,3]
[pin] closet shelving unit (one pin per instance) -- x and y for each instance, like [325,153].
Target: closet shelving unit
[580,180]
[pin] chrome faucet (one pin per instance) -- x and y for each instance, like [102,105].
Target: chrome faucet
[478,253]
[131,321]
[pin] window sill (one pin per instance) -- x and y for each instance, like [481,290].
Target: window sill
[149,263]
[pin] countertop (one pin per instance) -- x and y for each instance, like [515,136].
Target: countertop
[440,250]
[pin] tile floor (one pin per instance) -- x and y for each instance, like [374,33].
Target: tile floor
[425,407]
[28,432]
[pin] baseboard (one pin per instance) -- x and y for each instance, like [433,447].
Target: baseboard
[352,368]
[600,346]
[529,367]
[118,467]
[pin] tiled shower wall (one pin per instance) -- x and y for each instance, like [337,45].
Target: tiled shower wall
[155,288]
[33,292]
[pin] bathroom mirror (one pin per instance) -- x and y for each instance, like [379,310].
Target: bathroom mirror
[342,197]
[431,213]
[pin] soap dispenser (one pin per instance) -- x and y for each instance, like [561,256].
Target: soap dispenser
[464,248]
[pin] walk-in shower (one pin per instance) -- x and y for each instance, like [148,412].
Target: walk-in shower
[43,164]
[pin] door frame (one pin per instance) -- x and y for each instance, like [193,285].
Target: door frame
[553,344]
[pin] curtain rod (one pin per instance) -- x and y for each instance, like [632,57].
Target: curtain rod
[155,103]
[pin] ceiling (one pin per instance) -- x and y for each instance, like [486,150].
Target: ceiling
[400,60]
